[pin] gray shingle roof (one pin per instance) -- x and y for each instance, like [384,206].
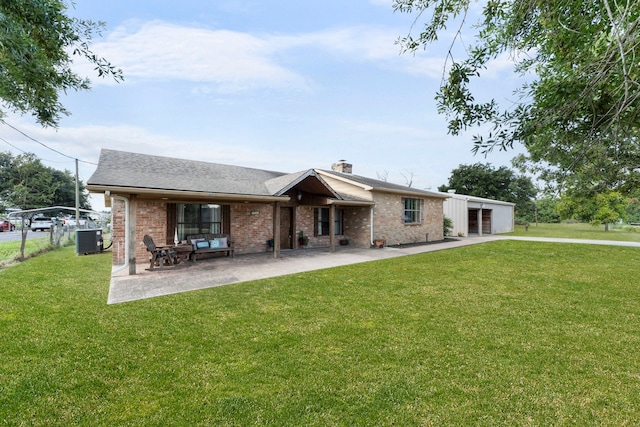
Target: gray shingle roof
[276,185]
[143,171]
[123,169]
[384,185]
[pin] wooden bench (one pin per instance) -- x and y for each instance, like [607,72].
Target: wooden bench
[201,249]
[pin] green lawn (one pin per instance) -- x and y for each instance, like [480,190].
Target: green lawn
[10,251]
[579,231]
[505,333]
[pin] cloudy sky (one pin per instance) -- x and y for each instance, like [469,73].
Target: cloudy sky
[272,84]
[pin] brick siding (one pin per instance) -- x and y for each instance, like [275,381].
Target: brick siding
[388,221]
[252,225]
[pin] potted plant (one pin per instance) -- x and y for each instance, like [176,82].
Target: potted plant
[302,239]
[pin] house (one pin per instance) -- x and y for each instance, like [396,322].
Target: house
[478,215]
[168,197]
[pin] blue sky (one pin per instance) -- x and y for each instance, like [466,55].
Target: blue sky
[271,84]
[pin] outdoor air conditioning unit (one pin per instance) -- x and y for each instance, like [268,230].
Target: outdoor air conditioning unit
[89,241]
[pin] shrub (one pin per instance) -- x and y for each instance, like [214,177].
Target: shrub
[447,226]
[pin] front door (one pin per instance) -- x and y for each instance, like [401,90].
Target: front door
[286,228]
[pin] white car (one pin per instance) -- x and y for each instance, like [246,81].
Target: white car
[71,222]
[41,223]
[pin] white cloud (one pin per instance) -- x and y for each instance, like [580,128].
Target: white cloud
[234,61]
[160,50]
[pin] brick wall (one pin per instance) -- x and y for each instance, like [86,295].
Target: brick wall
[117,231]
[252,225]
[357,227]
[388,222]
[151,219]
[304,222]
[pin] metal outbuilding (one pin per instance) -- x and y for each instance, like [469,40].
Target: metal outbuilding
[477,216]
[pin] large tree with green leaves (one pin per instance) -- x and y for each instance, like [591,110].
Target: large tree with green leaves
[28,184]
[483,180]
[38,41]
[578,111]
[603,208]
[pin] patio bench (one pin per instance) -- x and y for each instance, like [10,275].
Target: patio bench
[204,244]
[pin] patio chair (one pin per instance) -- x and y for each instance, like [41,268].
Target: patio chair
[160,255]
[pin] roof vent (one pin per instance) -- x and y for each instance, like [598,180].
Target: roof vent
[342,166]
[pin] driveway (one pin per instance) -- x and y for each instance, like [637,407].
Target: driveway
[225,271]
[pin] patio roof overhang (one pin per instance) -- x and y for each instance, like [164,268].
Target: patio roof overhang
[350,202]
[181,195]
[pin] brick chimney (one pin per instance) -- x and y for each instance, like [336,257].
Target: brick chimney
[342,166]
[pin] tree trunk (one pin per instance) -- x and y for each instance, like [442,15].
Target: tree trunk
[606,226]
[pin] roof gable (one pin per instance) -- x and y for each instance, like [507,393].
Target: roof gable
[308,181]
[371,184]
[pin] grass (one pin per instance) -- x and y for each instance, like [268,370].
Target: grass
[10,251]
[505,333]
[579,231]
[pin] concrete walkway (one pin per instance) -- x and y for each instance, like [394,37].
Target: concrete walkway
[224,271]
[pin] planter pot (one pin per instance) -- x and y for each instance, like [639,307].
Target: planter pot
[379,243]
[343,242]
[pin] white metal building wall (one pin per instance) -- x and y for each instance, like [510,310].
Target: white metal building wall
[457,209]
[503,218]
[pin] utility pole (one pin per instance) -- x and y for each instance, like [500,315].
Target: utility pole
[77,197]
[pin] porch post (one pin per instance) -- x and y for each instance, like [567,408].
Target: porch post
[130,229]
[332,228]
[276,229]
[480,222]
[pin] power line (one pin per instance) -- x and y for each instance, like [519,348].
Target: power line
[45,145]
[24,152]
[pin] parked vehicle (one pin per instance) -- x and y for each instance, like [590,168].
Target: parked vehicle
[6,225]
[71,222]
[41,223]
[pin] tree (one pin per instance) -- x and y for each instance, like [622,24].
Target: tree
[601,208]
[37,45]
[578,111]
[546,209]
[482,180]
[28,184]
[632,210]
[65,194]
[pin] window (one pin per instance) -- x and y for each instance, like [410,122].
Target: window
[322,222]
[196,219]
[412,211]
